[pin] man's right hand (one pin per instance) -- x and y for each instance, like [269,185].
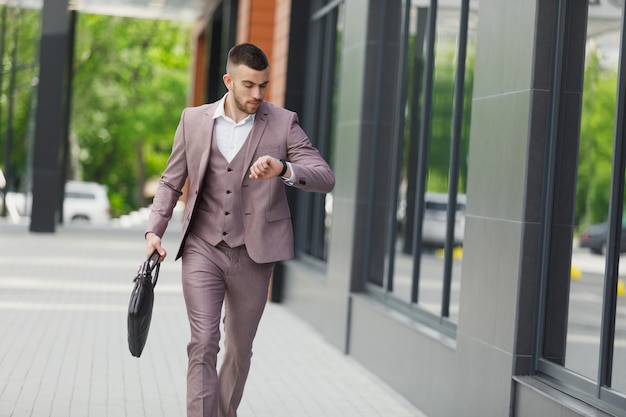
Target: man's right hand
[154,242]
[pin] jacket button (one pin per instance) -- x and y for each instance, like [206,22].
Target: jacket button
[224,233]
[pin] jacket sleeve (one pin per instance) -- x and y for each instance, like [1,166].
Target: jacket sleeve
[170,185]
[312,172]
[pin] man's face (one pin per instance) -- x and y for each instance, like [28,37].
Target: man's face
[247,87]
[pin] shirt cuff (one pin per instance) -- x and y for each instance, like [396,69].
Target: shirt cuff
[289,181]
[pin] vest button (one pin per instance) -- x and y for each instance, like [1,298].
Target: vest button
[229,170]
[227,213]
[228,191]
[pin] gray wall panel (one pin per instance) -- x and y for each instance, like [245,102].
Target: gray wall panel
[504,55]
[482,380]
[489,282]
[497,158]
[499,165]
[418,367]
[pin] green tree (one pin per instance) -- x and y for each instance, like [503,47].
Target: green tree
[130,85]
[596,141]
[442,117]
[19,68]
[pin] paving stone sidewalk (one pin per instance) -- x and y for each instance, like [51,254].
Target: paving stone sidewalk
[63,348]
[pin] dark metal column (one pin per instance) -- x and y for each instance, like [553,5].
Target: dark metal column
[49,120]
[455,155]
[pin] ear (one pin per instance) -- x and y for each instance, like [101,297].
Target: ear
[228,81]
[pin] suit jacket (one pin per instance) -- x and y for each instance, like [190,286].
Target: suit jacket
[267,219]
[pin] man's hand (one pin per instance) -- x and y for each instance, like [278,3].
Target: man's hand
[267,167]
[154,242]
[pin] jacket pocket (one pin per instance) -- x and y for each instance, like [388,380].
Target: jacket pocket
[278,214]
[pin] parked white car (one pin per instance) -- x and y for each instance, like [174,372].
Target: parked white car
[85,202]
[435,219]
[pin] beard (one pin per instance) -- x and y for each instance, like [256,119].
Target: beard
[246,107]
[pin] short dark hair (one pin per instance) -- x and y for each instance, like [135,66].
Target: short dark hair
[249,55]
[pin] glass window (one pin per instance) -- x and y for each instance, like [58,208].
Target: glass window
[592,202]
[424,255]
[314,209]
[583,341]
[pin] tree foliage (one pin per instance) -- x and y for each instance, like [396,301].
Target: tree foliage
[130,79]
[442,115]
[443,118]
[596,141]
[18,64]
[130,84]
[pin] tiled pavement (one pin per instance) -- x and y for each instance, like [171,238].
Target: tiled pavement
[63,349]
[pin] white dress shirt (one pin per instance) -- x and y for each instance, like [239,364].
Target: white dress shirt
[230,136]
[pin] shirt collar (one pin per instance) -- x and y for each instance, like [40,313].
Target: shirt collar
[220,112]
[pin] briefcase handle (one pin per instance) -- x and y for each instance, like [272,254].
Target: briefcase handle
[152,266]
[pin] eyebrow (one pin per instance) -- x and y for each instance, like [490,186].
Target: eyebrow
[253,83]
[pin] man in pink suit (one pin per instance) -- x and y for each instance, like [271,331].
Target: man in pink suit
[239,154]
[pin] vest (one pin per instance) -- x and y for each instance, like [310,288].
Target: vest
[221,198]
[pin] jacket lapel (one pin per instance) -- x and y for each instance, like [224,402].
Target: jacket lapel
[206,129]
[260,122]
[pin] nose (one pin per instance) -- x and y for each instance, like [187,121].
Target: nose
[257,93]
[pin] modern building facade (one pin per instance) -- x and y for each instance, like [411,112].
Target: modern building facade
[492,104]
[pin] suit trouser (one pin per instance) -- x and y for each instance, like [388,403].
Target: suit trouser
[212,276]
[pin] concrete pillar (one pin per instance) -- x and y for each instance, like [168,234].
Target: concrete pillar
[50,115]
